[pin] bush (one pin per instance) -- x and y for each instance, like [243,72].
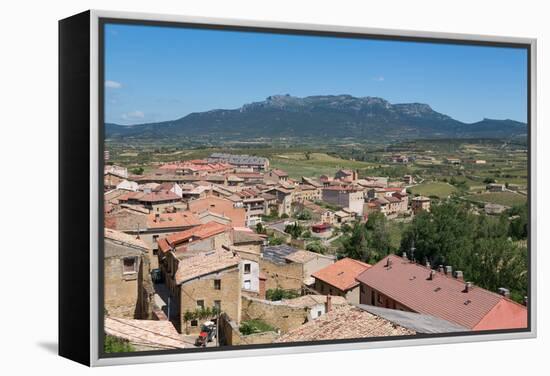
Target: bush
[275,240]
[316,247]
[137,171]
[116,345]
[279,294]
[255,326]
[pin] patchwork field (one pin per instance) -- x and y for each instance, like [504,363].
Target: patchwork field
[501,198]
[314,164]
[441,190]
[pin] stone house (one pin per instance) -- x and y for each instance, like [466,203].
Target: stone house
[151,227]
[338,279]
[207,280]
[345,197]
[127,284]
[189,243]
[287,268]
[420,203]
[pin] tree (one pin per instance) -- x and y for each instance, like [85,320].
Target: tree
[275,240]
[304,215]
[355,245]
[448,227]
[378,236]
[295,230]
[478,245]
[316,247]
[494,263]
[519,225]
[260,229]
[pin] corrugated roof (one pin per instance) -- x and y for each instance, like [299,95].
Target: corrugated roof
[277,253]
[419,322]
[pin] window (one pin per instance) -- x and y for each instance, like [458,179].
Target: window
[155,238]
[319,313]
[380,298]
[372,297]
[246,268]
[247,284]
[217,284]
[362,289]
[194,323]
[218,305]
[200,303]
[129,265]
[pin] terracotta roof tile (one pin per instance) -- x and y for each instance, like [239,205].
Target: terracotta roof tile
[199,232]
[150,333]
[444,297]
[167,220]
[344,322]
[342,273]
[205,263]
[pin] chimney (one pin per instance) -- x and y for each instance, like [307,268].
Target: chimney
[157,217]
[404,255]
[459,275]
[449,270]
[504,292]
[468,286]
[431,276]
[441,269]
[329,304]
[388,262]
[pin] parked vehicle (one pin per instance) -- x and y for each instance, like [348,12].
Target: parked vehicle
[207,334]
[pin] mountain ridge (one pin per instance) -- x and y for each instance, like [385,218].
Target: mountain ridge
[322,116]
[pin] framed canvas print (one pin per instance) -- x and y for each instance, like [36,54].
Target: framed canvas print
[233,188]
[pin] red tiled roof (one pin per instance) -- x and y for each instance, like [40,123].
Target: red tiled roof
[442,296]
[200,232]
[342,273]
[159,196]
[220,206]
[505,315]
[178,219]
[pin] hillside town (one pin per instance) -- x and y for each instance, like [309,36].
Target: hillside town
[227,251]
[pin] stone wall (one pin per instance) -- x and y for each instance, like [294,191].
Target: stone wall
[276,314]
[285,276]
[231,336]
[120,290]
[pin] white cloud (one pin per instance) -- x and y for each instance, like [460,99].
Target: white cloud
[133,115]
[113,84]
[378,78]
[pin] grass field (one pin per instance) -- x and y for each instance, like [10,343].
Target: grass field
[298,164]
[502,198]
[441,190]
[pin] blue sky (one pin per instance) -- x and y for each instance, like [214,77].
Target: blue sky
[164,73]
